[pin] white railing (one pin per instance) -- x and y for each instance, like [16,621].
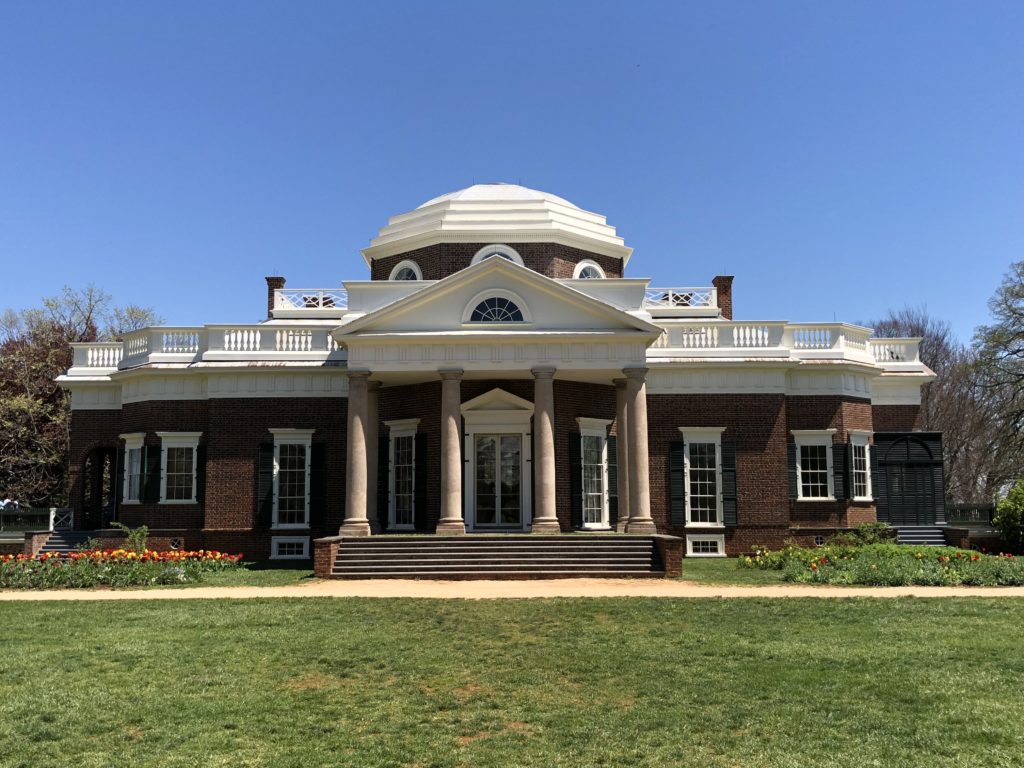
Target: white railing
[680,298]
[895,350]
[242,339]
[97,354]
[310,298]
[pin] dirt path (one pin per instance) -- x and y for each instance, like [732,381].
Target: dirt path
[485,590]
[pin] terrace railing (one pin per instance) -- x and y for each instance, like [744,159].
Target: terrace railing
[680,298]
[310,299]
[970,514]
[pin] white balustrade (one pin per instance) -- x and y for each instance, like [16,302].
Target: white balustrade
[750,336]
[179,341]
[136,344]
[103,354]
[812,337]
[677,298]
[242,339]
[310,298]
[895,350]
[294,340]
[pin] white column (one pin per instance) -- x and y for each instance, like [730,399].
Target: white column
[372,452]
[544,518]
[451,521]
[622,452]
[355,523]
[640,520]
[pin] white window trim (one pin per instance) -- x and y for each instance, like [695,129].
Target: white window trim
[275,540]
[178,440]
[291,437]
[717,538]
[580,266]
[597,428]
[402,265]
[808,437]
[133,441]
[704,435]
[396,429]
[501,294]
[511,253]
[861,437]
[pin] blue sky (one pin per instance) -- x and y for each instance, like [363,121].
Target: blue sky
[838,158]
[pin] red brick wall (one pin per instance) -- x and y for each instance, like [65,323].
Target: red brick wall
[443,259]
[897,418]
[89,430]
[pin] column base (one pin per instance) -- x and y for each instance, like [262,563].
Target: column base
[641,526]
[355,528]
[451,527]
[545,526]
[620,525]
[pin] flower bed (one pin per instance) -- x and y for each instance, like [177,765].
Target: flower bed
[891,565]
[111,568]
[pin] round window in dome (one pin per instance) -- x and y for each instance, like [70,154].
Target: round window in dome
[588,270]
[501,251]
[496,309]
[406,270]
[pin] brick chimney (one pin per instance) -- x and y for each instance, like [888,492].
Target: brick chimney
[724,285]
[273,283]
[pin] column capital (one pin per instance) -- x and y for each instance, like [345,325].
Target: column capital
[359,374]
[635,373]
[543,372]
[450,374]
[619,383]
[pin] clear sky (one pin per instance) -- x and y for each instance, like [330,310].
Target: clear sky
[838,158]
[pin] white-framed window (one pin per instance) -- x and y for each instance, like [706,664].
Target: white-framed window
[588,269]
[814,480]
[292,448]
[131,493]
[594,468]
[178,466]
[499,250]
[705,545]
[289,547]
[406,270]
[860,466]
[703,474]
[402,473]
[496,306]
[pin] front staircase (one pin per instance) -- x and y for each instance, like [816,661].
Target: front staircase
[921,535]
[498,557]
[62,542]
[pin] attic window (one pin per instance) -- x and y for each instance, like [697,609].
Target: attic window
[588,270]
[406,270]
[501,251]
[496,309]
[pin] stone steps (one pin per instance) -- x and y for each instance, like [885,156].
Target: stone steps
[63,542]
[498,557]
[920,535]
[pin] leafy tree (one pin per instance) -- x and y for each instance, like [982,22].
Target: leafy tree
[1009,518]
[34,410]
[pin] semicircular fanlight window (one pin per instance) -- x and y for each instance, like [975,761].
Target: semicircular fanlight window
[496,310]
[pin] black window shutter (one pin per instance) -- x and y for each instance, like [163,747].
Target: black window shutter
[151,480]
[575,480]
[791,458]
[420,483]
[677,482]
[265,485]
[383,479]
[729,504]
[317,485]
[878,487]
[613,480]
[840,482]
[201,474]
[119,481]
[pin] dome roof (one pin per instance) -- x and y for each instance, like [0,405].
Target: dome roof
[499,191]
[497,213]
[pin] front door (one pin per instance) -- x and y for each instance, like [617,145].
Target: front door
[498,487]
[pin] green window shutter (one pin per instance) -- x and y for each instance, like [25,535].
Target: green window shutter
[151,480]
[791,461]
[265,485]
[201,474]
[840,481]
[677,482]
[613,480]
[383,478]
[317,485]
[729,503]
[575,480]
[878,487]
[119,481]
[420,483]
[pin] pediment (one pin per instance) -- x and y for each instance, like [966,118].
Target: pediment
[497,399]
[547,306]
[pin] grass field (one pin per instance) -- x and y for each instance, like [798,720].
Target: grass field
[723,570]
[600,682]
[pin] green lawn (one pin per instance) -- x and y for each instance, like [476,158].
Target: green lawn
[723,570]
[265,574]
[600,682]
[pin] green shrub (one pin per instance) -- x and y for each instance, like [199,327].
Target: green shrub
[134,538]
[1009,518]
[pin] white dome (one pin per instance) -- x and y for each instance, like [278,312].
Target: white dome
[498,192]
[497,213]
